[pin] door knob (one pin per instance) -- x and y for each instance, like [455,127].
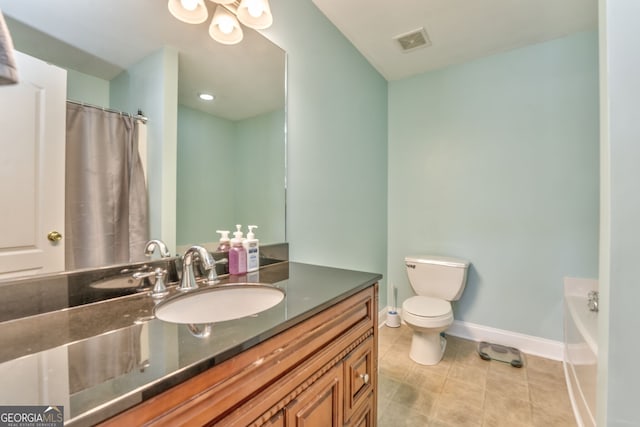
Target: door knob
[54,236]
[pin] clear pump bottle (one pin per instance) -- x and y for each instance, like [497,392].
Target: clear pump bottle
[253,250]
[224,245]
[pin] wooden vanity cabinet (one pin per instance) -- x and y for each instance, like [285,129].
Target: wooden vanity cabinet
[359,377]
[319,373]
[319,405]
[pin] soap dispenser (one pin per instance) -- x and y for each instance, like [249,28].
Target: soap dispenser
[253,251]
[224,244]
[223,247]
[237,254]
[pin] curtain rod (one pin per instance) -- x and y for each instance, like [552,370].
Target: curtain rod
[138,116]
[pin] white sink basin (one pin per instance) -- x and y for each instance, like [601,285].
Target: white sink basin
[220,303]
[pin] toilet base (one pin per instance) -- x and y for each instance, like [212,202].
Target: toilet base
[427,348]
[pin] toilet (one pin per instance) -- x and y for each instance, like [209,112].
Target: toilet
[437,281]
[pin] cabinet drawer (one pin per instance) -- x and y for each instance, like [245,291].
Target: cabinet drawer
[359,376]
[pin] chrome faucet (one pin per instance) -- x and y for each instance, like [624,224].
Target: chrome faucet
[165,254]
[151,246]
[206,261]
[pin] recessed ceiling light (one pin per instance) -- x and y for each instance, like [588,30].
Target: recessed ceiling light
[206,96]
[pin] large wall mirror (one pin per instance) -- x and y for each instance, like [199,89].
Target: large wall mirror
[229,165]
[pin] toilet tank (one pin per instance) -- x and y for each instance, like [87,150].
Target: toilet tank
[437,276]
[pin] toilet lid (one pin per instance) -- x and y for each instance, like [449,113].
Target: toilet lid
[427,306]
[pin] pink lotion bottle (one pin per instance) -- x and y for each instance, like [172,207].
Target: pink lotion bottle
[237,254]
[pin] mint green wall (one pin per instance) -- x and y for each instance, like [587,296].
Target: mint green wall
[337,144]
[152,86]
[230,172]
[205,163]
[618,347]
[496,161]
[258,171]
[85,88]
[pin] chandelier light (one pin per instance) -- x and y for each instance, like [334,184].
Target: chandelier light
[255,14]
[224,27]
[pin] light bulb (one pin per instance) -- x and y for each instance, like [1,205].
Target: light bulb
[189,5]
[255,9]
[226,25]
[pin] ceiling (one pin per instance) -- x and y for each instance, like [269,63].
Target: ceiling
[103,38]
[459,30]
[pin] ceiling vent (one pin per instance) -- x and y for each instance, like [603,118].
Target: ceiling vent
[413,40]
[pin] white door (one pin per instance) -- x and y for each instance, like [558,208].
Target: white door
[32,158]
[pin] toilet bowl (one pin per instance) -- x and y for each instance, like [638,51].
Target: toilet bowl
[428,317]
[437,281]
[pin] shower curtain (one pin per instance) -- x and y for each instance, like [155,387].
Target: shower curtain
[106,210]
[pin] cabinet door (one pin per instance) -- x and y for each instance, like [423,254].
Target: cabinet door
[364,416]
[320,405]
[359,377]
[276,421]
[32,142]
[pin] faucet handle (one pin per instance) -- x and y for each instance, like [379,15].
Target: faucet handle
[212,277]
[142,275]
[160,289]
[159,286]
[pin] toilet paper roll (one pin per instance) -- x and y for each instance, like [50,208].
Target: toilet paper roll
[393,319]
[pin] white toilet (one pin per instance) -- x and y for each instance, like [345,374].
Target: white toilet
[436,280]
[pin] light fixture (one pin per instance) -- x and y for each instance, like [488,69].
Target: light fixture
[224,27]
[255,14]
[189,11]
[206,96]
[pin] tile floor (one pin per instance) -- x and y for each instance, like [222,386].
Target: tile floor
[464,390]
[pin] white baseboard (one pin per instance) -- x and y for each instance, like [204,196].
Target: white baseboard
[528,344]
[382,316]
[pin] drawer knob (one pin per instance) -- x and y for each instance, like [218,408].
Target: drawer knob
[365,378]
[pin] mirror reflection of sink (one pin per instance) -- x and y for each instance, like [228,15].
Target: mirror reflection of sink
[117,282]
[219,303]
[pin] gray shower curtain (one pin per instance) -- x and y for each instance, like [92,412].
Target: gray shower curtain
[106,213]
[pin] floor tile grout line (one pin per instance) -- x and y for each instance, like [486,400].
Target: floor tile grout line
[460,354]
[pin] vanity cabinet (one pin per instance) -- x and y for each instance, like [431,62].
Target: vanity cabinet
[359,377]
[319,405]
[321,372]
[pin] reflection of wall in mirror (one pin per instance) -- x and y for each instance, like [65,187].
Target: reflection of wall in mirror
[233,172]
[255,159]
[89,89]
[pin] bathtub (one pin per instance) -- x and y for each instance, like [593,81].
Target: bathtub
[580,349]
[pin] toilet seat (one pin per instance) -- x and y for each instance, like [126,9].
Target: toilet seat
[427,312]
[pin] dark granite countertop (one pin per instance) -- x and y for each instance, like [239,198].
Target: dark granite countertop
[100,356]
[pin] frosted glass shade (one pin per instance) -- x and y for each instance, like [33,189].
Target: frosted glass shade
[224,27]
[196,16]
[255,14]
